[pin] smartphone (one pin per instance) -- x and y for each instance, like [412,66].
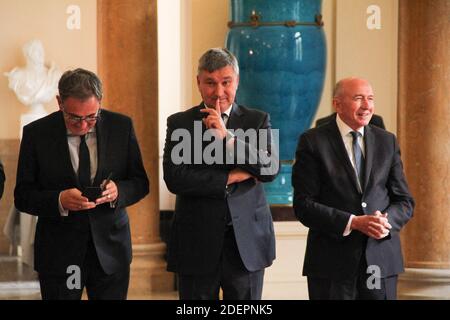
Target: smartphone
[92,193]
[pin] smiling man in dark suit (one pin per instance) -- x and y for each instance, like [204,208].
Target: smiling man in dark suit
[351,192]
[82,239]
[222,234]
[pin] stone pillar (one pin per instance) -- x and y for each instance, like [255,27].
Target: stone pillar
[128,67]
[424,133]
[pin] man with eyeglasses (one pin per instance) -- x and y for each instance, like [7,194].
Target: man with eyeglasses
[82,239]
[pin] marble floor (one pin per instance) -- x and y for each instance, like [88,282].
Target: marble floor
[19,282]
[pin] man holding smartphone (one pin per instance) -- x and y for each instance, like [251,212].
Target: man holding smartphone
[65,159]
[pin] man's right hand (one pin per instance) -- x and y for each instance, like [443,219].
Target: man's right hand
[71,199]
[238,175]
[375,226]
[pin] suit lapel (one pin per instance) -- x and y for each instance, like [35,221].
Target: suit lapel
[338,146]
[198,116]
[236,118]
[102,132]
[62,148]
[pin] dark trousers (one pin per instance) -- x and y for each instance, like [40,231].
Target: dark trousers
[236,281]
[99,285]
[353,289]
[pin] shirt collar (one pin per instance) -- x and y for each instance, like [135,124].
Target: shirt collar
[344,129]
[69,134]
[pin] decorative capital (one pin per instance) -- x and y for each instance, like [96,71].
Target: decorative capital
[319,20]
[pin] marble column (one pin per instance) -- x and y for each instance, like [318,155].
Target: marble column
[424,133]
[127,64]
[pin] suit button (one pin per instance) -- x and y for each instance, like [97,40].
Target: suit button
[364,204]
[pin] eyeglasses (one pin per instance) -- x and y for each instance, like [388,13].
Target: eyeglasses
[77,119]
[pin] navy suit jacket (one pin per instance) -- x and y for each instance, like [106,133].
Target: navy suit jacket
[203,201]
[45,170]
[326,194]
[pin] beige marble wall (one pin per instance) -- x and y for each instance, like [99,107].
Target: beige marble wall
[127,60]
[128,65]
[46,20]
[424,130]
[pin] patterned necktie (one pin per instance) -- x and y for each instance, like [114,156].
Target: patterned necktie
[224,118]
[359,159]
[84,168]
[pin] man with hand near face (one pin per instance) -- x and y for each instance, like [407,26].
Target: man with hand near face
[222,234]
[81,242]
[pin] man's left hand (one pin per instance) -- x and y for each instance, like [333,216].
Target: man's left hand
[110,193]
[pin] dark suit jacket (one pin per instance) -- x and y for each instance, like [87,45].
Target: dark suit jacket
[2,180]
[203,201]
[375,120]
[326,194]
[45,170]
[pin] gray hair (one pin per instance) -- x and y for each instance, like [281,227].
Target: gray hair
[80,84]
[339,88]
[217,58]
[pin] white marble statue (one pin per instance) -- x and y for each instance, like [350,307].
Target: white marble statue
[35,84]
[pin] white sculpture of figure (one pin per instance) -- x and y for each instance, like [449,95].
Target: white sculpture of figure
[34,84]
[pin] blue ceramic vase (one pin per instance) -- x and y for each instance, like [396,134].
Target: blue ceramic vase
[280,46]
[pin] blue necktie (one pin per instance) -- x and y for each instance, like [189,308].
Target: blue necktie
[84,168]
[359,159]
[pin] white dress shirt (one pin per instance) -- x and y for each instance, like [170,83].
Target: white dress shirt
[73,142]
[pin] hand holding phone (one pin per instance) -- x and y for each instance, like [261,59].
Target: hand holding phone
[92,193]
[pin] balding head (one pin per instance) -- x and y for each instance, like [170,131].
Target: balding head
[346,83]
[354,102]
